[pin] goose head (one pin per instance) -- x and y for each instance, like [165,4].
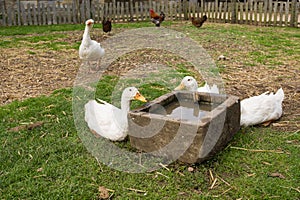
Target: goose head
[132,93]
[89,22]
[188,83]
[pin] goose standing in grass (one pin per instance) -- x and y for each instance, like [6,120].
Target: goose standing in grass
[109,121]
[262,109]
[90,50]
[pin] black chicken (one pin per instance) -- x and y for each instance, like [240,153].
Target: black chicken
[199,22]
[106,25]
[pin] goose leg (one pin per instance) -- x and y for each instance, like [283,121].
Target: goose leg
[267,123]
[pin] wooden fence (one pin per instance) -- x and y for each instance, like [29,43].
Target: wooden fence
[255,12]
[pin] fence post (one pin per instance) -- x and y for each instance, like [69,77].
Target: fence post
[294,18]
[131,10]
[185,9]
[233,11]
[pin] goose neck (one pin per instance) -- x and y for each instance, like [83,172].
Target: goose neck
[125,105]
[86,34]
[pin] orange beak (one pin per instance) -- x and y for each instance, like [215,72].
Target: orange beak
[180,87]
[140,97]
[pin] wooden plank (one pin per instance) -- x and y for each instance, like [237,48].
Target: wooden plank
[194,8]
[180,11]
[255,13]
[172,8]
[39,14]
[82,12]
[98,12]
[260,8]
[270,12]
[147,8]
[65,14]
[136,11]
[166,7]
[54,16]
[163,6]
[226,11]
[122,11]
[23,15]
[60,14]
[49,19]
[110,11]
[9,16]
[297,13]
[88,10]
[29,12]
[202,8]
[275,13]
[57,11]
[3,20]
[74,12]
[241,13]
[293,20]
[217,10]
[280,13]
[287,7]
[251,11]
[18,13]
[185,10]
[113,11]
[247,12]
[265,13]
[118,11]
[197,9]
[13,16]
[213,11]
[93,12]
[69,13]
[126,12]
[209,11]
[34,9]
[142,11]
[221,13]
[131,10]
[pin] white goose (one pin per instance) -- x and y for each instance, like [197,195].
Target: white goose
[191,84]
[109,121]
[262,109]
[90,50]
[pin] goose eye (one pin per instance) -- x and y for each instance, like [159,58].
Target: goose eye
[130,90]
[189,79]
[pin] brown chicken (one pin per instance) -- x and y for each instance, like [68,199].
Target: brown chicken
[106,25]
[157,19]
[199,22]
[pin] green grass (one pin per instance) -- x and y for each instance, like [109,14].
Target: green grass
[51,162]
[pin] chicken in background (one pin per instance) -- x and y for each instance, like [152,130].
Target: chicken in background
[157,19]
[106,25]
[199,22]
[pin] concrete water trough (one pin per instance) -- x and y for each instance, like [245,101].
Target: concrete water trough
[188,126]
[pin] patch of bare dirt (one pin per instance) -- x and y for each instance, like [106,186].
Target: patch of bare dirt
[25,75]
